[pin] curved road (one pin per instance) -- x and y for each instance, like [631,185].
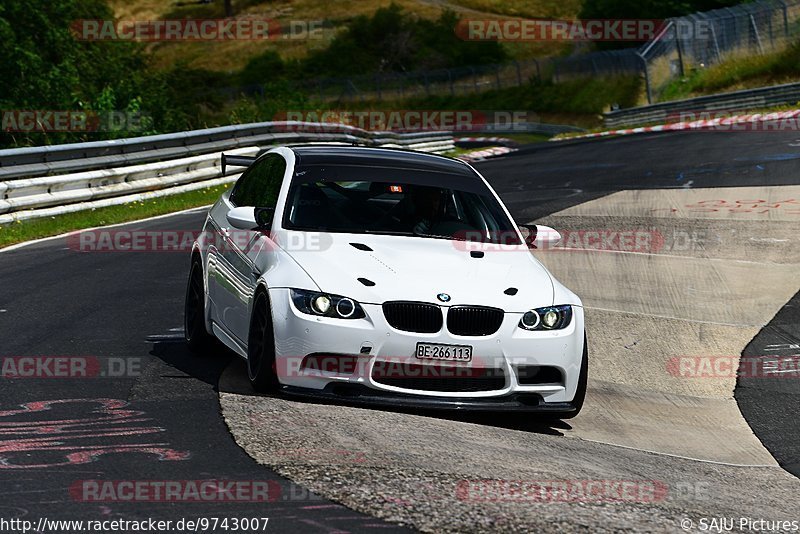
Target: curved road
[161,420]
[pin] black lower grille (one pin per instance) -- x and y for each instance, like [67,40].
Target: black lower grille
[413,316]
[474,320]
[439,378]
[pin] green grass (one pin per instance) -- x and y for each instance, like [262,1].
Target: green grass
[738,73]
[18,232]
[579,102]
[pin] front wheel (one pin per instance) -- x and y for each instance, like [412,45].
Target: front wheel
[194,316]
[261,348]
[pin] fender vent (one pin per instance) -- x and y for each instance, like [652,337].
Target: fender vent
[367,282]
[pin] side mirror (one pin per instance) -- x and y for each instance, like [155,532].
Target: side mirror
[250,218]
[538,236]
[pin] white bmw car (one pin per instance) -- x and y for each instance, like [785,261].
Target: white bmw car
[386,277]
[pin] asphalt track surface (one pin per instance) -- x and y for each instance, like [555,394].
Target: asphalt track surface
[577,172]
[128,307]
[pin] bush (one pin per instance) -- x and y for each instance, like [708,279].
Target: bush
[393,40]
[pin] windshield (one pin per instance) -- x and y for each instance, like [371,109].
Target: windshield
[392,201]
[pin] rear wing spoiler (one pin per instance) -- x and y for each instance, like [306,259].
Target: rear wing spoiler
[236,161]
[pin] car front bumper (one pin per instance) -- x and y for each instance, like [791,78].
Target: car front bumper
[371,343]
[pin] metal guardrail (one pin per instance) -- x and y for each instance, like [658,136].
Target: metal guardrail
[59,159]
[747,99]
[175,163]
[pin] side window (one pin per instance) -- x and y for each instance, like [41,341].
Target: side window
[260,184]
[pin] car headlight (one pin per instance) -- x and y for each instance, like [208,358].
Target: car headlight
[549,318]
[325,305]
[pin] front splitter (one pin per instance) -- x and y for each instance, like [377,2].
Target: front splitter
[356,394]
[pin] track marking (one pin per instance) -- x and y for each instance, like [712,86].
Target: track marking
[679,456]
[670,317]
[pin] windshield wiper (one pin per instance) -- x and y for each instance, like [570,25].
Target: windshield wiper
[388,232]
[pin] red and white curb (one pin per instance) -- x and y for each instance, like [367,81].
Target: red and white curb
[775,121]
[480,155]
[500,141]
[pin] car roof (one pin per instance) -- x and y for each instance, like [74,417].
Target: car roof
[379,157]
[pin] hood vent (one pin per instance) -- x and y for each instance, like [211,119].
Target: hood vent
[361,246]
[511,291]
[366,281]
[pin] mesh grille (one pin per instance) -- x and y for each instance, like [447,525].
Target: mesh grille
[474,320]
[413,316]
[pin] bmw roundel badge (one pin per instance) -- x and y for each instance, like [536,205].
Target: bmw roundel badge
[444,297]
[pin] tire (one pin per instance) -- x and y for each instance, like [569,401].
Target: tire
[583,378]
[197,337]
[261,368]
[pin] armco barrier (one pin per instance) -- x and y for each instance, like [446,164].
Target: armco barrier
[106,173]
[747,99]
[59,159]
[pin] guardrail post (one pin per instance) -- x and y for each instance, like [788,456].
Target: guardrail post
[680,52]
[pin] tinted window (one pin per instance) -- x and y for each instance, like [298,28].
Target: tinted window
[260,184]
[397,202]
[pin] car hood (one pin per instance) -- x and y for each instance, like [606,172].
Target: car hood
[419,269]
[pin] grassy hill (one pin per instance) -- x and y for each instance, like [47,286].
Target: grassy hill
[234,55]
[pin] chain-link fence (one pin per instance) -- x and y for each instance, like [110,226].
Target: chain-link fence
[681,45]
[703,39]
[476,79]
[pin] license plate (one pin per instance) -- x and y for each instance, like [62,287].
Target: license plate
[439,351]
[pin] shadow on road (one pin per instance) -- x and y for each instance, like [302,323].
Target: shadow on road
[173,351]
